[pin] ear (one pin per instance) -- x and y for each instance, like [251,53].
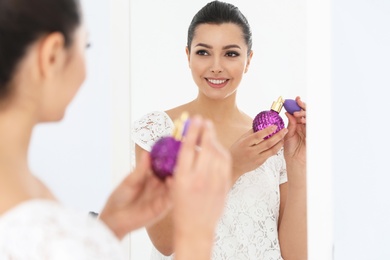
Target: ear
[188,55]
[51,54]
[248,62]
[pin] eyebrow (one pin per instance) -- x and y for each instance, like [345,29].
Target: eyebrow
[230,46]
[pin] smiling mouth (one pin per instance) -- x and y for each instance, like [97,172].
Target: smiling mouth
[217,81]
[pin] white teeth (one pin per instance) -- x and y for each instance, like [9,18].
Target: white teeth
[217,81]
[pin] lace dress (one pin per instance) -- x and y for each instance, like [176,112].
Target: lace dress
[45,230]
[248,226]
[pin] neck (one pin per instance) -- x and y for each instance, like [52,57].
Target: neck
[223,110]
[17,184]
[15,133]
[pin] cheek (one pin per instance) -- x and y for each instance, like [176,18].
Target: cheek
[74,78]
[83,72]
[79,71]
[199,67]
[239,69]
[195,71]
[82,67]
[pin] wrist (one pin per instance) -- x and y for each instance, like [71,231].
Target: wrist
[199,241]
[296,176]
[112,223]
[236,173]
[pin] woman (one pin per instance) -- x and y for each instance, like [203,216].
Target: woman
[265,216]
[42,65]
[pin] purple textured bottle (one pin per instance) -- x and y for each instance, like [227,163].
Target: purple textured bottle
[269,117]
[164,152]
[163,156]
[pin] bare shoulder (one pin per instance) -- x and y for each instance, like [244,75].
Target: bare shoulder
[176,112]
[246,119]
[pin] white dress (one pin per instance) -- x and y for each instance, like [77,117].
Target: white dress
[248,226]
[45,230]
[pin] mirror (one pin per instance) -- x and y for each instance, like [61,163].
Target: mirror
[161,79]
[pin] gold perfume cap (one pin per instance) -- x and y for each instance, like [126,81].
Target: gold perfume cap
[277,105]
[179,126]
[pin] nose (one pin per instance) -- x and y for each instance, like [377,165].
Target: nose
[216,67]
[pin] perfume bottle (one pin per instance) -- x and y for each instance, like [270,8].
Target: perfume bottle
[272,117]
[269,117]
[164,152]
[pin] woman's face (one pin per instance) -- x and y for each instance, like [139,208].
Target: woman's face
[218,59]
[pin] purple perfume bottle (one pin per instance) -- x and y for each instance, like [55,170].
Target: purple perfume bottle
[269,117]
[164,152]
[272,117]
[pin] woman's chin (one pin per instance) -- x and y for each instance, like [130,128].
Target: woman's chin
[52,118]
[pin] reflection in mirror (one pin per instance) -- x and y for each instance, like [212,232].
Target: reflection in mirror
[162,79]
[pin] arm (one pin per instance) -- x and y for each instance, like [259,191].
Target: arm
[161,232]
[292,217]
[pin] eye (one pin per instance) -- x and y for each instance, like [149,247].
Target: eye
[232,54]
[202,53]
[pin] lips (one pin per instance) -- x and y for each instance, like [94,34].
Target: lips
[217,83]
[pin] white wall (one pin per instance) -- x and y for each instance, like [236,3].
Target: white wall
[360,94]
[161,78]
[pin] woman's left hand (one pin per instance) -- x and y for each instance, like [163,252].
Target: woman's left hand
[141,199]
[295,139]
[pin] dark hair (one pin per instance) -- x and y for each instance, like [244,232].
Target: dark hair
[218,12]
[23,21]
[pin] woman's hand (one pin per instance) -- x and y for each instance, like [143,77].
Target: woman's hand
[251,150]
[140,200]
[200,185]
[295,140]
